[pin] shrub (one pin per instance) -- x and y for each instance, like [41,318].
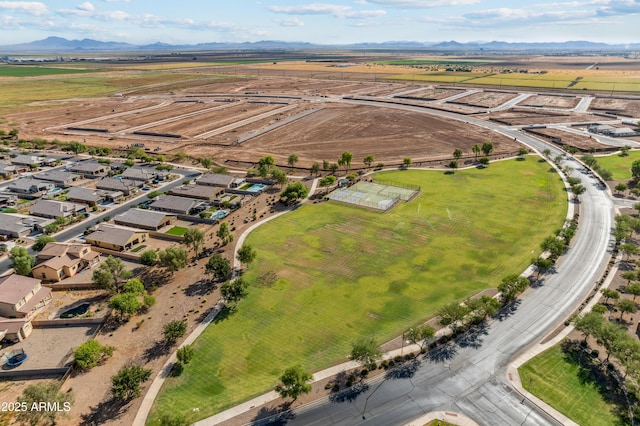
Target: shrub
[91,353]
[174,330]
[149,258]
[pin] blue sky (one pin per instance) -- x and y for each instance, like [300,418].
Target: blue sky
[322,21]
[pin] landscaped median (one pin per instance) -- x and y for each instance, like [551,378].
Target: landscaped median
[329,273]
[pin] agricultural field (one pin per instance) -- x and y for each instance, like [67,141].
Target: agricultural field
[28,71]
[619,166]
[328,273]
[562,383]
[609,84]
[548,81]
[437,76]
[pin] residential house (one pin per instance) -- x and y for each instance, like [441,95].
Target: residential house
[144,174]
[144,219]
[200,192]
[90,169]
[60,178]
[62,260]
[30,187]
[20,299]
[125,186]
[32,161]
[173,204]
[115,238]
[91,196]
[17,225]
[8,171]
[8,200]
[220,180]
[54,209]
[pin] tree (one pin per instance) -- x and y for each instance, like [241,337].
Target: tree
[48,392]
[194,238]
[91,353]
[542,265]
[453,165]
[555,246]
[246,254]
[406,162]
[546,152]
[219,267]
[484,161]
[578,190]
[453,314]
[609,294]
[224,234]
[522,153]
[482,307]
[628,249]
[487,148]
[589,160]
[264,165]
[173,258]
[149,257]
[42,241]
[365,351]
[23,262]
[345,159]
[621,187]
[234,291]
[325,165]
[624,151]
[292,160]
[134,286]
[633,289]
[635,169]
[368,160]
[174,330]
[295,381]
[185,354]
[126,384]
[605,174]
[476,150]
[333,168]
[76,147]
[420,335]
[279,176]
[626,306]
[294,192]
[588,324]
[512,285]
[111,275]
[315,169]
[206,162]
[327,181]
[457,154]
[125,305]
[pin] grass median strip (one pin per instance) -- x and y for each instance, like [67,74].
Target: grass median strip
[344,272]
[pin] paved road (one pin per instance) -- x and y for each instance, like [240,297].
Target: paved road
[470,376]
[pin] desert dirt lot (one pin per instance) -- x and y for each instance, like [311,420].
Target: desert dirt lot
[628,107]
[582,142]
[524,117]
[485,99]
[551,101]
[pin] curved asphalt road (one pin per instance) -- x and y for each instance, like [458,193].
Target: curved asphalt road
[470,376]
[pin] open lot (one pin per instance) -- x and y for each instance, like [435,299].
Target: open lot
[580,141]
[628,107]
[551,101]
[345,272]
[485,99]
[525,117]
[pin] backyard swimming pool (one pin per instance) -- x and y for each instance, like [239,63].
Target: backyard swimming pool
[255,188]
[219,214]
[76,312]
[55,191]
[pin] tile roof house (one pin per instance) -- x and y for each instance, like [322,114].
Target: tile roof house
[144,219]
[61,178]
[125,186]
[62,260]
[17,225]
[53,209]
[27,160]
[144,174]
[90,196]
[200,192]
[30,187]
[90,169]
[20,299]
[173,204]
[115,238]
[219,180]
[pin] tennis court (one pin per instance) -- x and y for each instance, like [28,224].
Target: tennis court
[373,195]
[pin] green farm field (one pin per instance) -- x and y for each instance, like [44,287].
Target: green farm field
[619,166]
[344,272]
[27,71]
[437,76]
[559,382]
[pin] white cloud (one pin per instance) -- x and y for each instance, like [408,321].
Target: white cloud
[422,4]
[86,6]
[335,10]
[290,22]
[620,7]
[29,7]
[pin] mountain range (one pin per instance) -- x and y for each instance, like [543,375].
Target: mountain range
[62,45]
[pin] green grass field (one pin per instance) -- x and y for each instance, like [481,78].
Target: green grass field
[345,272]
[552,377]
[609,84]
[177,230]
[620,167]
[28,71]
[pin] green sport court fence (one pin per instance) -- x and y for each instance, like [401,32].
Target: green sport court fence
[377,196]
